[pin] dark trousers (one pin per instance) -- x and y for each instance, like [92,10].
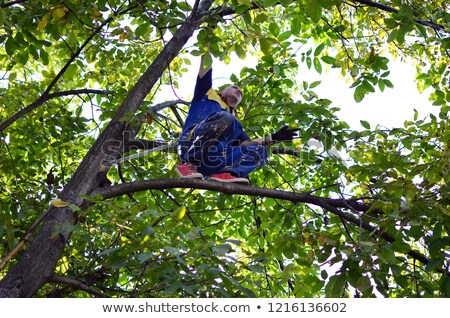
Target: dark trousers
[213,147]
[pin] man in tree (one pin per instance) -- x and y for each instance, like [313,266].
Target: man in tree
[213,143]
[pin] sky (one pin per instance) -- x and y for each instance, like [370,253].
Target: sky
[390,108]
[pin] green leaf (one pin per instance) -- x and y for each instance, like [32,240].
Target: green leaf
[390,23]
[71,70]
[366,125]
[240,52]
[145,256]
[336,286]
[221,249]
[22,57]
[265,46]
[142,30]
[328,59]
[296,25]
[422,30]
[406,13]
[274,28]
[269,3]
[44,57]
[11,46]
[319,49]
[433,264]
[368,87]
[33,52]
[314,84]
[242,289]
[256,268]
[392,36]
[285,36]
[354,71]
[381,85]
[260,18]
[445,286]
[363,283]
[184,6]
[2,17]
[317,65]
[359,94]
[207,60]
[388,83]
[308,62]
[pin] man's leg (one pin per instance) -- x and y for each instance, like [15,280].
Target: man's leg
[194,148]
[238,162]
[206,137]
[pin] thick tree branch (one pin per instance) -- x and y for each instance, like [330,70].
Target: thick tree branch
[230,188]
[331,205]
[25,280]
[75,285]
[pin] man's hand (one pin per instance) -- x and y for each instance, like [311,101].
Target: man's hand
[284,134]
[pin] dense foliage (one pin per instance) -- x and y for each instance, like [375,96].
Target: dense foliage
[374,221]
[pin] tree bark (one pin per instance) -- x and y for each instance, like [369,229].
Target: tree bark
[37,263]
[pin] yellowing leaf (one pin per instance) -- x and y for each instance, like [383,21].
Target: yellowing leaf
[122,36]
[59,12]
[58,203]
[96,12]
[180,212]
[325,240]
[45,20]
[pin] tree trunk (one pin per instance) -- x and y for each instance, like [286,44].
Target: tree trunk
[37,263]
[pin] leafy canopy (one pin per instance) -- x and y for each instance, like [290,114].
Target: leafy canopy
[189,242]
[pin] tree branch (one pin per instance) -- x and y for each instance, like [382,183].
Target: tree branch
[80,91]
[331,205]
[45,95]
[9,4]
[41,100]
[52,237]
[387,8]
[168,104]
[74,284]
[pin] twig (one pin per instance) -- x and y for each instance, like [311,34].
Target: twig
[75,284]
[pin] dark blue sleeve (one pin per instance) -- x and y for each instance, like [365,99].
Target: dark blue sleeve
[202,86]
[243,136]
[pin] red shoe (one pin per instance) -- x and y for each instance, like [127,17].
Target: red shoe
[186,170]
[227,177]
